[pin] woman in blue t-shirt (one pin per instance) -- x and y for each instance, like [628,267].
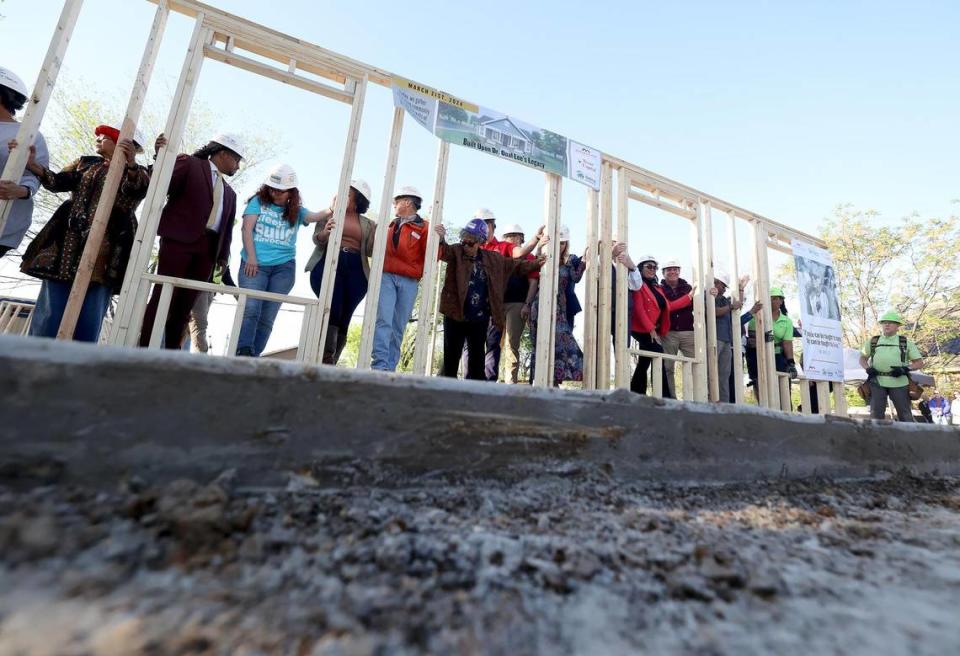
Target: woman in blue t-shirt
[270,223]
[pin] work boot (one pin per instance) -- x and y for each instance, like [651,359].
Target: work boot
[330,353]
[245,351]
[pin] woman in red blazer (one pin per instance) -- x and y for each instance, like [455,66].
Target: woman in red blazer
[650,319]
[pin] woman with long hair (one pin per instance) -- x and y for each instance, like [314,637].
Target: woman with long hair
[270,223]
[353,265]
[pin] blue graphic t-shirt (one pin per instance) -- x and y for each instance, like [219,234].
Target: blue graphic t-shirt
[274,239]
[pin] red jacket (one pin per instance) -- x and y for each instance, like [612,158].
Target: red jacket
[189,201]
[406,258]
[647,314]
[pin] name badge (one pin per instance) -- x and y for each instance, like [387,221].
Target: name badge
[415,235]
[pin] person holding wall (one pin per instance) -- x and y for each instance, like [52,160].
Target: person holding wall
[270,223]
[54,255]
[781,334]
[568,357]
[472,296]
[353,265]
[403,261]
[13,96]
[680,338]
[196,228]
[650,320]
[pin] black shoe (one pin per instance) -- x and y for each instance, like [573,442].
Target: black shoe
[245,351]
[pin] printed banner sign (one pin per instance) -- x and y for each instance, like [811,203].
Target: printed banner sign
[466,124]
[819,312]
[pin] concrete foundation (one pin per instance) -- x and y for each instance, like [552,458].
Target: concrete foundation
[85,413]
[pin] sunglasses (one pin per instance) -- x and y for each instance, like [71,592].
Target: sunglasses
[468,242]
[650,265]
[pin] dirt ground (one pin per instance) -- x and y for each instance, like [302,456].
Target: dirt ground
[566,563]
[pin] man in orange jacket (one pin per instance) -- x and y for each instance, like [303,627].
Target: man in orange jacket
[402,270]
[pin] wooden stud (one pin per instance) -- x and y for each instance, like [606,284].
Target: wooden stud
[804,396]
[38,100]
[735,294]
[656,373]
[319,329]
[163,309]
[590,300]
[380,243]
[549,281]
[237,323]
[605,263]
[713,382]
[783,392]
[132,300]
[823,397]
[687,368]
[622,359]
[839,400]
[434,317]
[700,387]
[115,173]
[428,284]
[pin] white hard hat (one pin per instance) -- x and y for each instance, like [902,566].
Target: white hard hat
[361,186]
[10,80]
[670,263]
[485,214]
[408,191]
[230,141]
[646,258]
[512,229]
[564,233]
[722,276]
[281,177]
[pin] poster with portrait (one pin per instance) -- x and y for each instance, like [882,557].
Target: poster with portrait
[819,312]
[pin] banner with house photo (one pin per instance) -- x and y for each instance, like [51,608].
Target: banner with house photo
[819,312]
[472,126]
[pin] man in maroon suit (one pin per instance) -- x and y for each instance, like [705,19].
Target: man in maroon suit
[195,229]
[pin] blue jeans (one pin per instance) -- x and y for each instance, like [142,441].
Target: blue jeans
[258,316]
[53,300]
[397,296]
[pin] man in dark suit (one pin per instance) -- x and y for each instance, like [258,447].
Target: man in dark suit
[195,229]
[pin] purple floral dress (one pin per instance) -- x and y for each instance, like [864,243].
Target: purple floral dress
[568,357]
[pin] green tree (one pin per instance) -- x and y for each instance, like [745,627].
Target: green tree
[910,265]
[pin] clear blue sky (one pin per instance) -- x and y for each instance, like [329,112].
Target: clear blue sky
[786,109]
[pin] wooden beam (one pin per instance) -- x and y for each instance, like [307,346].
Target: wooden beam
[659,204]
[38,100]
[163,309]
[380,242]
[115,173]
[605,262]
[339,212]
[428,285]
[622,359]
[549,281]
[133,293]
[590,315]
[735,294]
[839,400]
[823,397]
[287,77]
[713,382]
[700,367]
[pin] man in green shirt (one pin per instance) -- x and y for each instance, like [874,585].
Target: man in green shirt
[889,358]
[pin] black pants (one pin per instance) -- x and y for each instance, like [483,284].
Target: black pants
[900,397]
[455,334]
[638,383]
